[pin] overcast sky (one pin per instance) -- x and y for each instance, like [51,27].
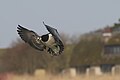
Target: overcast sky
[68,16]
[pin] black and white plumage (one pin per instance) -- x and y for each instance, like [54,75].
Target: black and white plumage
[50,42]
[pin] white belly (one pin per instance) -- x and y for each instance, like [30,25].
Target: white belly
[50,42]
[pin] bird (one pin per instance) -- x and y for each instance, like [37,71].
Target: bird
[50,42]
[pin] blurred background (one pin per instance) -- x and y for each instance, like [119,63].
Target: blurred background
[90,31]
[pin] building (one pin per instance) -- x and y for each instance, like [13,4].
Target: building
[107,34]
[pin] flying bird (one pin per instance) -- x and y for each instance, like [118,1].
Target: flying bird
[50,42]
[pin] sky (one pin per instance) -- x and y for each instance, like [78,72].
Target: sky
[72,17]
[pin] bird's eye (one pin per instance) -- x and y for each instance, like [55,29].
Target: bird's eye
[38,38]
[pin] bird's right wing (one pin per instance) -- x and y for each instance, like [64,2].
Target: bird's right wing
[56,35]
[30,37]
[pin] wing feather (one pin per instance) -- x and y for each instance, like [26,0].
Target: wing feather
[30,37]
[56,35]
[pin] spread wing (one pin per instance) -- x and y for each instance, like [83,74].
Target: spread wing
[30,37]
[56,36]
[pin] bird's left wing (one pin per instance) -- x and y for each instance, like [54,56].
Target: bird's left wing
[56,35]
[30,37]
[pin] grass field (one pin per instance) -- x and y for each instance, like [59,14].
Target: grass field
[63,77]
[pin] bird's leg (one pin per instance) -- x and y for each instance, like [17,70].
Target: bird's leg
[51,52]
